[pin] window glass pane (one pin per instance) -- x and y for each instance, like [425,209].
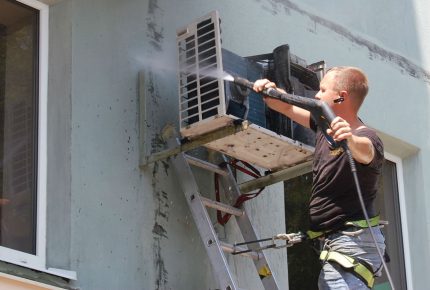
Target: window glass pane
[388,202]
[303,264]
[18,125]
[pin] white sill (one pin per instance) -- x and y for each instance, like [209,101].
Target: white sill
[33,262]
[71,275]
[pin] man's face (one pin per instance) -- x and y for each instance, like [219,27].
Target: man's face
[327,91]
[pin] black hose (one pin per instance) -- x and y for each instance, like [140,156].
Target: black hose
[363,208]
[324,115]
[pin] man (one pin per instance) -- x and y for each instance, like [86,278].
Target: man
[334,207]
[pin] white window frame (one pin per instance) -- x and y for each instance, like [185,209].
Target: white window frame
[403,216]
[38,261]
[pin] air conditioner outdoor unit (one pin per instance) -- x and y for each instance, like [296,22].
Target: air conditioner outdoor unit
[208,102]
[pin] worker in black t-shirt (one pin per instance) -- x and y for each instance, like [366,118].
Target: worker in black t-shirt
[334,209]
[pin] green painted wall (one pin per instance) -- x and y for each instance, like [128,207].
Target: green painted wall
[120,227]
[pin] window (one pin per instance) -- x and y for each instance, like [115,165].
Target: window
[23,75]
[303,264]
[390,200]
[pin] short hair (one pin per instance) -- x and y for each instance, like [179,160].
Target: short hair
[351,79]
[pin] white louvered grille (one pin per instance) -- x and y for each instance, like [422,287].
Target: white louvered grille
[201,90]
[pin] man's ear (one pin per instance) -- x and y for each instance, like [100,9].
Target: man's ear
[344,94]
[342,97]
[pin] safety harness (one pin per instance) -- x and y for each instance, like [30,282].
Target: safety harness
[359,224]
[358,268]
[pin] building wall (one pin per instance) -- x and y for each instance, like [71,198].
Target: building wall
[122,227]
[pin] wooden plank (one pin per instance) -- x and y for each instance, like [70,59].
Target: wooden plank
[208,125]
[263,148]
[276,177]
[220,133]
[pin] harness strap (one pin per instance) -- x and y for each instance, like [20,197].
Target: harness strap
[374,221]
[347,262]
[363,224]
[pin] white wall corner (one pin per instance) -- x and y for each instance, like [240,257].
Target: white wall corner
[50,2]
[397,146]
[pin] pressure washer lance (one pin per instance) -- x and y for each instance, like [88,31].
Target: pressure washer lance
[291,239]
[323,116]
[320,110]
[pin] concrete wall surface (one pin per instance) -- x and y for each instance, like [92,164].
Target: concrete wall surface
[122,227]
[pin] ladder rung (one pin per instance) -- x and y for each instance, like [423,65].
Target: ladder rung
[228,248]
[221,206]
[205,165]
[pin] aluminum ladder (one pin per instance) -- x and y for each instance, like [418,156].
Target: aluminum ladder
[198,206]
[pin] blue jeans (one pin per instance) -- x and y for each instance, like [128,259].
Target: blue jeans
[361,247]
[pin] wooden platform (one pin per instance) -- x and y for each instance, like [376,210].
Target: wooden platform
[205,126]
[258,146]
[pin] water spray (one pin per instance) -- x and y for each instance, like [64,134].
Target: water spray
[323,115]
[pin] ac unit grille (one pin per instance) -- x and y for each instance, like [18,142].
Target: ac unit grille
[201,92]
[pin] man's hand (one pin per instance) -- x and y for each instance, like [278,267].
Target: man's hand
[297,114]
[340,129]
[361,147]
[260,85]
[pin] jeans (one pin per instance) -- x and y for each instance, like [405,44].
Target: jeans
[360,247]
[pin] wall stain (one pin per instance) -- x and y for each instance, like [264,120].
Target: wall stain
[166,167]
[402,62]
[155,36]
[151,88]
[161,217]
[157,143]
[159,230]
[154,29]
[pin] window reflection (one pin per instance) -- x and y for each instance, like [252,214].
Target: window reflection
[18,125]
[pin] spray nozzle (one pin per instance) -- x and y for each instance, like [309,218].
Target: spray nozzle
[243,82]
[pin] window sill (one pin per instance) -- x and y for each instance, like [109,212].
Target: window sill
[8,281]
[71,275]
[52,276]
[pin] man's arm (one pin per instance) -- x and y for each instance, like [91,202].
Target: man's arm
[361,147]
[295,113]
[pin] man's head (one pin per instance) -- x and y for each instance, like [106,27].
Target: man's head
[351,80]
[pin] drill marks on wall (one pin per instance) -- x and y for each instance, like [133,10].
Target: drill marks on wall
[375,51]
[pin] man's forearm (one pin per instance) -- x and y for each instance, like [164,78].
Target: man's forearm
[362,149]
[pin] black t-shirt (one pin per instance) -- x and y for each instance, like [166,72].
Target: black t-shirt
[334,198]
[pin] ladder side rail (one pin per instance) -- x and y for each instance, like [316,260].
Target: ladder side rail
[204,224]
[249,233]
